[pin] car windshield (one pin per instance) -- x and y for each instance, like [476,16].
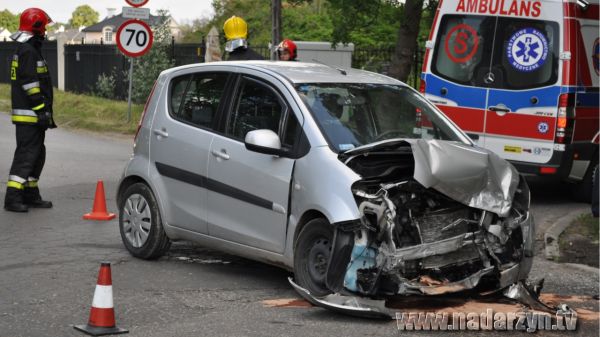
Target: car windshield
[351,115]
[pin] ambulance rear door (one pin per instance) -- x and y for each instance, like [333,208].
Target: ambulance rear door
[524,82]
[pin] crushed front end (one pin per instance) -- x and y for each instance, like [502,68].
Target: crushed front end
[428,226]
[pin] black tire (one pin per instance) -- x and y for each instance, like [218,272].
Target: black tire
[311,255]
[582,191]
[157,242]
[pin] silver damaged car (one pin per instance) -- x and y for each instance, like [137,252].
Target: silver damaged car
[350,179]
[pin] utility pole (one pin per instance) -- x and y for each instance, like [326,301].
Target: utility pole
[276,27]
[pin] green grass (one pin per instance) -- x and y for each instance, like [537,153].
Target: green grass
[86,112]
[585,225]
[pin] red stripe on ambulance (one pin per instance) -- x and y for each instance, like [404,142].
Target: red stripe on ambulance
[519,125]
[467,119]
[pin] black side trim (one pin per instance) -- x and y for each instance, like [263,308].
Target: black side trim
[213,185]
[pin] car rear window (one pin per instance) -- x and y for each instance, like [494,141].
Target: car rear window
[517,53]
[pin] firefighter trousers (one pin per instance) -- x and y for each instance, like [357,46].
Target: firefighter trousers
[28,161]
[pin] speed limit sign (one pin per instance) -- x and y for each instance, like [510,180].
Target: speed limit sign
[136,3]
[134,38]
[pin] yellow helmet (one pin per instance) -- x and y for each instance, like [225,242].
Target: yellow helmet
[235,28]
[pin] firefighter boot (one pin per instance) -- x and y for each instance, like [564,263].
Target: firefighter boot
[13,200]
[33,199]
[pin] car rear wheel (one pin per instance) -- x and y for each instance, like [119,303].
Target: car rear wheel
[311,256]
[140,223]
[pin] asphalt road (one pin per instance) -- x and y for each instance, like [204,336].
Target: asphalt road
[49,261]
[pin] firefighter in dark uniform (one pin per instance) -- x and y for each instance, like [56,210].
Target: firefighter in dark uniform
[236,32]
[31,92]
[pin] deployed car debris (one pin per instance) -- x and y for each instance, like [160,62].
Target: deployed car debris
[437,217]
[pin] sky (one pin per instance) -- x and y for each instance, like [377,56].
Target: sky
[184,11]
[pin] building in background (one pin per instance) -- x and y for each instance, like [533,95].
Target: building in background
[4,34]
[105,31]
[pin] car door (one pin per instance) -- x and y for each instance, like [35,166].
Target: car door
[180,145]
[249,191]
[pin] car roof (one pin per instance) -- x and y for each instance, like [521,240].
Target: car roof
[303,72]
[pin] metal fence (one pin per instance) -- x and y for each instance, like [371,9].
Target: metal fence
[379,60]
[85,63]
[7,49]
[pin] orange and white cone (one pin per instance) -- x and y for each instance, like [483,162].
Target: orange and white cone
[102,316]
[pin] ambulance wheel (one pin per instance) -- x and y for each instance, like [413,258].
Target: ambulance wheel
[140,223]
[582,191]
[311,256]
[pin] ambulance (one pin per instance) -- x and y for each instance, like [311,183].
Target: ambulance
[520,77]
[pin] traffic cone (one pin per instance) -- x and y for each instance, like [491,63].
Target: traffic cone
[102,315]
[99,209]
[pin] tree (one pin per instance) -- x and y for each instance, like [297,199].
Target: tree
[83,15]
[9,20]
[148,67]
[403,20]
[406,42]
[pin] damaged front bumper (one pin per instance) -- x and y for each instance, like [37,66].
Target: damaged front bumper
[431,232]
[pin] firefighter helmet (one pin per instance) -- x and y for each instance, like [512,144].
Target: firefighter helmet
[290,46]
[235,28]
[34,20]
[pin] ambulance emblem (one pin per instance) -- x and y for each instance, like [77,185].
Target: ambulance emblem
[543,127]
[527,49]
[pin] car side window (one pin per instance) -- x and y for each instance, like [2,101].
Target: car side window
[195,99]
[258,107]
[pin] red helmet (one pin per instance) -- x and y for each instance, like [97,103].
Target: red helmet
[34,20]
[290,46]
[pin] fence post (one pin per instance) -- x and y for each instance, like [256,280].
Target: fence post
[172,48]
[60,60]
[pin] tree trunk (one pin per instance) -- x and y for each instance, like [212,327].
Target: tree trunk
[406,45]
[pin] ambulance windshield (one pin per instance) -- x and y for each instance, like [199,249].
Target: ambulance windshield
[496,52]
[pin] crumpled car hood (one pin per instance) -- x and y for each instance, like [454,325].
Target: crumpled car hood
[473,176]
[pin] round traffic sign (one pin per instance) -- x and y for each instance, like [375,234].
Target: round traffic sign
[134,38]
[136,3]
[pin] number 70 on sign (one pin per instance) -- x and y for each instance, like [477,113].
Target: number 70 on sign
[134,38]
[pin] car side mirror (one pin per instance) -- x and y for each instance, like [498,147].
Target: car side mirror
[264,141]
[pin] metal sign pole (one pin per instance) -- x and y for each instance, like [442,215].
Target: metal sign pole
[131,59]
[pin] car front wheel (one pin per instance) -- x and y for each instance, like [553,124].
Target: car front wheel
[311,256]
[140,223]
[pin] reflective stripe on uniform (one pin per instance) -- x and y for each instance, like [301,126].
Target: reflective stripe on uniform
[28,86]
[24,116]
[13,68]
[31,85]
[41,67]
[41,106]
[17,179]
[31,184]
[33,91]
[23,112]
[24,119]
[15,184]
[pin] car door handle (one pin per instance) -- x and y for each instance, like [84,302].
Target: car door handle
[220,154]
[499,108]
[161,133]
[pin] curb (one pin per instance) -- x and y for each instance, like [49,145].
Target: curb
[552,251]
